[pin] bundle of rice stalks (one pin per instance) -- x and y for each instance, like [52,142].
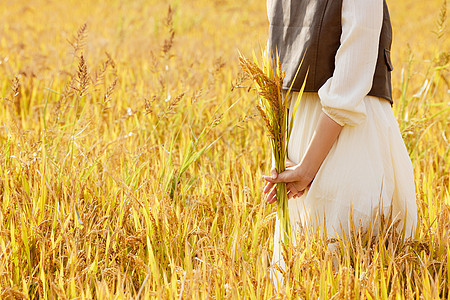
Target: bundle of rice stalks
[273,106]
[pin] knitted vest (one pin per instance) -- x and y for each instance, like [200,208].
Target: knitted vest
[311,30]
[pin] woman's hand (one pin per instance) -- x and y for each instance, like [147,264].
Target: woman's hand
[300,176]
[273,172]
[296,182]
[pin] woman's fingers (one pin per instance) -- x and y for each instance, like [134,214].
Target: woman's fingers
[271,187]
[297,195]
[272,195]
[289,194]
[268,187]
[271,199]
[292,192]
[286,176]
[291,187]
[294,185]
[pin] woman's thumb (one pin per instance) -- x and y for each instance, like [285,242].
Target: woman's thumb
[274,173]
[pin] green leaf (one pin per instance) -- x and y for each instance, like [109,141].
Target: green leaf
[296,106]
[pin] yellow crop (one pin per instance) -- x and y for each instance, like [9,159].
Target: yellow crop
[130,158]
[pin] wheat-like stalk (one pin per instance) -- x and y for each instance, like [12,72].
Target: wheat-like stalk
[82,77]
[268,78]
[79,41]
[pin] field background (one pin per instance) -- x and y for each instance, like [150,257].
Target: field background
[130,159]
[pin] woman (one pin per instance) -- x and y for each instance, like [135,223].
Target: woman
[348,162]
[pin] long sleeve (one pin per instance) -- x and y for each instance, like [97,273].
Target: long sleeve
[342,95]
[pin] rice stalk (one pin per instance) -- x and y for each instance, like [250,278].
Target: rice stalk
[268,78]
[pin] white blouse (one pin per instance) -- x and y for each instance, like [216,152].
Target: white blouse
[341,96]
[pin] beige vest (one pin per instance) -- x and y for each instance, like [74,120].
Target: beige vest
[311,29]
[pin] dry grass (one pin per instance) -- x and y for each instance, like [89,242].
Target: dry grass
[130,167]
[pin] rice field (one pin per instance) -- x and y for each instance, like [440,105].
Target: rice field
[131,156]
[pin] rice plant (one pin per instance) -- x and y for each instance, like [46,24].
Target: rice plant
[130,164]
[273,108]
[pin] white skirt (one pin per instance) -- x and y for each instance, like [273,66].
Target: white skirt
[367,171]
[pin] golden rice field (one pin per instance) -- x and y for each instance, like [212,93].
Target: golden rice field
[131,157]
